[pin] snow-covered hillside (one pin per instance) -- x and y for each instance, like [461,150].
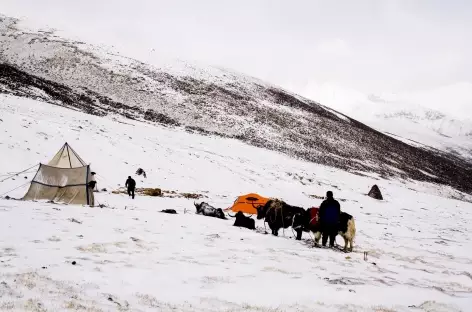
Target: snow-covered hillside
[129,257]
[41,65]
[406,119]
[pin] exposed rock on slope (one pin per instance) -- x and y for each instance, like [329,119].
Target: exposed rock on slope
[41,65]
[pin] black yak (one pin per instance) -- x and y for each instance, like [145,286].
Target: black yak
[243,221]
[277,214]
[207,210]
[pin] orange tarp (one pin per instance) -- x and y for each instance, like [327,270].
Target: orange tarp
[245,203]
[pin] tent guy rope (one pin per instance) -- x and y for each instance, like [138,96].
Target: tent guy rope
[17,173]
[15,188]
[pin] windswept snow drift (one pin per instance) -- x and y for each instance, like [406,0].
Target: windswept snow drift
[130,257]
[41,65]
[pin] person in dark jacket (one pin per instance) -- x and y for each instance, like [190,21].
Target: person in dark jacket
[131,185]
[329,218]
[93,183]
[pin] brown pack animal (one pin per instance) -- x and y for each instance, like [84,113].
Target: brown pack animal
[307,221]
[278,214]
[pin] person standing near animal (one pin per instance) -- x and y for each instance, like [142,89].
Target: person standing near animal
[131,185]
[329,218]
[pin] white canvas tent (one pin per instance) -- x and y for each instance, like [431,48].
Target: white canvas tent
[64,180]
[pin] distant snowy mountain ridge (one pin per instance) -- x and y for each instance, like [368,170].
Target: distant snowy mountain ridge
[409,120]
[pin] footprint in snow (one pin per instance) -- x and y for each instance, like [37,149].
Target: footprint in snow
[54,239]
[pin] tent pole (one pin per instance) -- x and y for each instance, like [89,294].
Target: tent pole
[60,151]
[68,154]
[36,191]
[76,155]
[86,185]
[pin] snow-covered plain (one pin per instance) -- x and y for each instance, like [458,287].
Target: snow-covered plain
[130,257]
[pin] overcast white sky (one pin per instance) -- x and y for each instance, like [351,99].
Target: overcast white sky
[419,50]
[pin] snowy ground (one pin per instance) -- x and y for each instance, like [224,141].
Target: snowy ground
[130,257]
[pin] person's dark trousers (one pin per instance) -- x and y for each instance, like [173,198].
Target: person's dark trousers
[131,193]
[329,231]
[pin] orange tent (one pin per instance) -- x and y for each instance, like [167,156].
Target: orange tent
[245,203]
